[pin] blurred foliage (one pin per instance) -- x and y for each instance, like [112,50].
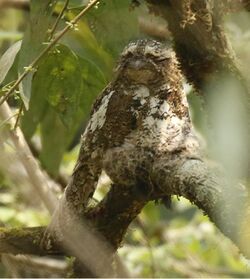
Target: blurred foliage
[36,33]
[180,242]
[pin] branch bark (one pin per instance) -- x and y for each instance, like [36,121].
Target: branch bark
[112,216]
[23,241]
[224,202]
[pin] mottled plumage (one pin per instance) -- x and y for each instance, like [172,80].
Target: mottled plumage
[140,115]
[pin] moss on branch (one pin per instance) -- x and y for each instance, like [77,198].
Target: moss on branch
[23,241]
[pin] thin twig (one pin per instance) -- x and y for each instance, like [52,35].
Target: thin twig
[58,19]
[35,62]
[19,115]
[5,121]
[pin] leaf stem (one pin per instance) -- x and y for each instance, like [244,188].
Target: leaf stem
[47,49]
[58,19]
[18,116]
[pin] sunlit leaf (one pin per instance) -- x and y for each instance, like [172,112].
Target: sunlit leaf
[7,60]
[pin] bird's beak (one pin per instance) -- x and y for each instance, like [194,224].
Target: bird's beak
[137,64]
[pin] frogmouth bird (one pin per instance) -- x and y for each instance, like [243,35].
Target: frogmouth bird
[140,116]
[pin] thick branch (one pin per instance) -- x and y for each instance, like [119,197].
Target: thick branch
[99,233]
[23,241]
[224,202]
[115,213]
[111,218]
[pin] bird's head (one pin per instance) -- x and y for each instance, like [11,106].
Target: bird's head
[144,61]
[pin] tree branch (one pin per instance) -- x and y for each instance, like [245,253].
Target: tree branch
[21,266]
[225,202]
[110,219]
[23,241]
[112,216]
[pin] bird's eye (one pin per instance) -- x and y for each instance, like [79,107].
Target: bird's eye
[156,58]
[160,59]
[129,53]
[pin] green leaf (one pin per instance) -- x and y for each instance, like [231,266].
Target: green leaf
[60,80]
[84,43]
[63,90]
[7,60]
[114,24]
[55,139]
[37,109]
[57,84]
[93,83]
[103,33]
[80,88]
[33,42]
[73,3]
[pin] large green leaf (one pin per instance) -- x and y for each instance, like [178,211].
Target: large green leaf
[62,93]
[103,32]
[114,24]
[80,87]
[93,82]
[60,81]
[85,44]
[34,38]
